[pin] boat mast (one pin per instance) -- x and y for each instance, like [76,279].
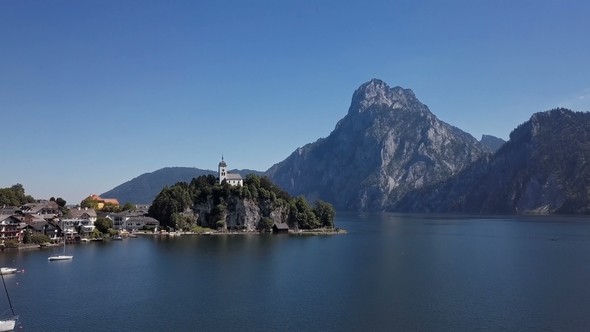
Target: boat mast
[8,296]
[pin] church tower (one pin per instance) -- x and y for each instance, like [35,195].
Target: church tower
[222,170]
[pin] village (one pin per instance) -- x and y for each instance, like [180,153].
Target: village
[46,217]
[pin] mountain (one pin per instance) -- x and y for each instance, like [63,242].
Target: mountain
[543,168]
[144,188]
[388,144]
[491,142]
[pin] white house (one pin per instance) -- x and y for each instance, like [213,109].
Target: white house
[230,178]
[132,221]
[9,227]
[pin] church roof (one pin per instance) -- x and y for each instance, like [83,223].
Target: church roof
[232,176]
[222,163]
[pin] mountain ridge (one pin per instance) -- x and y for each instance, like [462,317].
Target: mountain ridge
[387,144]
[145,187]
[541,169]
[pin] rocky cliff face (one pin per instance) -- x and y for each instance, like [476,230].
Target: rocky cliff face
[241,212]
[388,144]
[543,168]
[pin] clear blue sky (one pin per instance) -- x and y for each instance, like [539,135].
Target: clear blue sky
[95,93]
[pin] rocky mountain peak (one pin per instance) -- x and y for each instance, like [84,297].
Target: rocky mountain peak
[388,144]
[377,92]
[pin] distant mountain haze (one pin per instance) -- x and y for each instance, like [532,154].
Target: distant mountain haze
[493,143]
[388,144]
[144,188]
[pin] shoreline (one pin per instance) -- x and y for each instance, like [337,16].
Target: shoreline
[335,231]
[316,232]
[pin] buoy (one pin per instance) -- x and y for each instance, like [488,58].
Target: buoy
[23,270]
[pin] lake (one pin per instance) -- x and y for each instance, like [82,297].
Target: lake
[391,272]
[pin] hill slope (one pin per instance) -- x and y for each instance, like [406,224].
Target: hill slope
[144,188]
[543,168]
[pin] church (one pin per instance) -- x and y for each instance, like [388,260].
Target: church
[230,178]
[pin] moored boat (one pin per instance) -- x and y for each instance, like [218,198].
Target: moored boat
[7,270]
[8,324]
[60,257]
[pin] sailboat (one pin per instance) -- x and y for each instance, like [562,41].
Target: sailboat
[61,257]
[8,324]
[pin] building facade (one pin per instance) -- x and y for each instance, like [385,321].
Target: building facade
[230,178]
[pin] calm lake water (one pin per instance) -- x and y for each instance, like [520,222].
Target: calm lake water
[389,273]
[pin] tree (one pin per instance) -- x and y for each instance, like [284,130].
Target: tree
[103,225]
[60,201]
[220,224]
[302,214]
[89,203]
[40,239]
[111,207]
[14,196]
[181,222]
[128,207]
[266,224]
[170,200]
[27,237]
[325,213]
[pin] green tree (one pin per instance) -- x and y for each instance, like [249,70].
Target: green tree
[266,224]
[170,200]
[325,213]
[89,203]
[62,205]
[128,207]
[302,214]
[103,225]
[220,224]
[181,222]
[110,207]
[14,196]
[40,239]
[27,237]
[60,201]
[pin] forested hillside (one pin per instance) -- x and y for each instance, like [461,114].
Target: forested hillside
[256,205]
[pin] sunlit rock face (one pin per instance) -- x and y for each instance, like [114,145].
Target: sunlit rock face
[388,144]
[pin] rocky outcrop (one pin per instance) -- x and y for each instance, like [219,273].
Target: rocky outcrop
[543,168]
[241,213]
[388,144]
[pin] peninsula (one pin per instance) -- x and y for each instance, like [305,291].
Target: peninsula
[231,203]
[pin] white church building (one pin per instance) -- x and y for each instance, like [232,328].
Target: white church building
[230,178]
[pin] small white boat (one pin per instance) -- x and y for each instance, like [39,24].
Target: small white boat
[7,324]
[7,270]
[61,257]
[119,237]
